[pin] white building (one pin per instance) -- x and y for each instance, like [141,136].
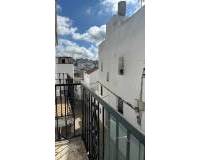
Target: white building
[65,65]
[122,65]
[90,78]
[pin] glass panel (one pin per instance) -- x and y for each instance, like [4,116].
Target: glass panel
[100,132]
[106,133]
[122,140]
[112,140]
[134,148]
[142,152]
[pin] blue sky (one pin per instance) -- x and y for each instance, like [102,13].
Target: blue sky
[81,25]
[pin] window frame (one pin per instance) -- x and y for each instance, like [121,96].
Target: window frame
[120,106]
[107,77]
[101,66]
[121,65]
[101,90]
[63,61]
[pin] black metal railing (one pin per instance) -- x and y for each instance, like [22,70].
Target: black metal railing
[107,135]
[67,110]
[66,107]
[121,102]
[63,78]
[118,97]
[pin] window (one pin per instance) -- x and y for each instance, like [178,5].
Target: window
[107,77]
[120,105]
[121,66]
[63,61]
[101,66]
[101,91]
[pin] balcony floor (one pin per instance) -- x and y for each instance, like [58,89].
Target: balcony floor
[73,149]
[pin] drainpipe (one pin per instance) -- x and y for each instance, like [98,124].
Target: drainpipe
[141,88]
[140,103]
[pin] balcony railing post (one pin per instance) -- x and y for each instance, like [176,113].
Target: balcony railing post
[98,129]
[91,129]
[60,97]
[57,130]
[89,125]
[65,99]
[128,146]
[63,78]
[117,139]
[103,134]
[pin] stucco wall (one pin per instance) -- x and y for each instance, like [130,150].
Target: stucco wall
[126,38]
[65,68]
[86,78]
[91,79]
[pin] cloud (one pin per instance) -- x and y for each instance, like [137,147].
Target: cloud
[88,11]
[64,26]
[94,35]
[72,49]
[112,5]
[58,8]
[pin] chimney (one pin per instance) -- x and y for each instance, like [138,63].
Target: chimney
[122,8]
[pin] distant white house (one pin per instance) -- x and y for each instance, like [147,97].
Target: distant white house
[65,65]
[90,78]
[122,65]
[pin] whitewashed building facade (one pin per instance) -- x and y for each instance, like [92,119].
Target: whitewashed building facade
[90,79]
[122,65]
[65,65]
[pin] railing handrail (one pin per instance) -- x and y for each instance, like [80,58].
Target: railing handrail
[68,84]
[139,135]
[126,102]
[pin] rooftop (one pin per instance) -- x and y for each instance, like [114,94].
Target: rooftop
[91,71]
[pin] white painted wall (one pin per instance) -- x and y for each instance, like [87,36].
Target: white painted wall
[86,78]
[126,38]
[91,79]
[65,68]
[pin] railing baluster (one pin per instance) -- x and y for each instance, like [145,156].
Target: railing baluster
[86,117]
[128,146]
[89,125]
[82,112]
[63,78]
[85,114]
[91,128]
[117,139]
[61,97]
[57,130]
[103,139]
[98,127]
[139,152]
[65,99]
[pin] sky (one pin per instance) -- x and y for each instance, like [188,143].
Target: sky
[81,25]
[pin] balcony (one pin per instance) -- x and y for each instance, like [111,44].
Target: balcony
[86,127]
